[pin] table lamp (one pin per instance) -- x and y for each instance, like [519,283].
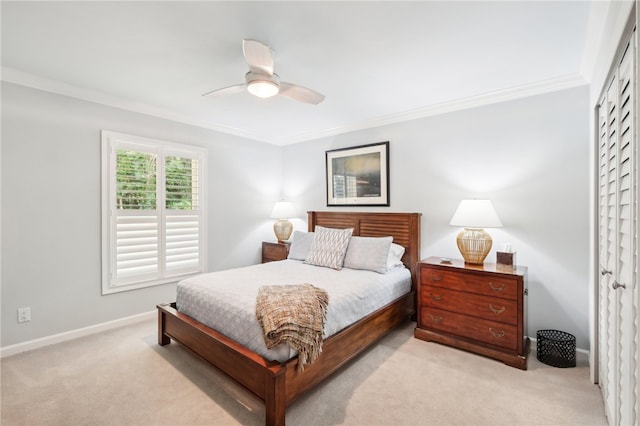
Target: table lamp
[282,210]
[473,241]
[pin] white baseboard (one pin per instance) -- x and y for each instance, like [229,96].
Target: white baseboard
[109,325]
[74,334]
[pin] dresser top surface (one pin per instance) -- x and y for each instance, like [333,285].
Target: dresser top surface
[485,267]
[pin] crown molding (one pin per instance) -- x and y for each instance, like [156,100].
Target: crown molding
[510,94]
[14,76]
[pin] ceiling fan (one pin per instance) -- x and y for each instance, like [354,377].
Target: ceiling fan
[262,82]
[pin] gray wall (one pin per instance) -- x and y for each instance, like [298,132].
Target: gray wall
[51,208]
[530,157]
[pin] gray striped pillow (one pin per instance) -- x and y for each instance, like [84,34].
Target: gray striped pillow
[329,247]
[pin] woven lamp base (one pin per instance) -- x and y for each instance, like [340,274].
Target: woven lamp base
[474,245]
[283,229]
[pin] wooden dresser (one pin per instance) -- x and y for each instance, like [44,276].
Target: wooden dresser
[274,251]
[478,308]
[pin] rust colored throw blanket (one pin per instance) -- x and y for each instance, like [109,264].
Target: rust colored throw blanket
[293,314]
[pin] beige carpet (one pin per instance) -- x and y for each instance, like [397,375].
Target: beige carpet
[123,378]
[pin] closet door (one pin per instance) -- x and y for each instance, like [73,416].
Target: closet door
[607,212]
[618,241]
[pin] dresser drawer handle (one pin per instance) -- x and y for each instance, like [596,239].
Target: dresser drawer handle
[495,310]
[436,298]
[435,319]
[494,288]
[436,277]
[496,335]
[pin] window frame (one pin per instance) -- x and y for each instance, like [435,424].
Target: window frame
[111,142]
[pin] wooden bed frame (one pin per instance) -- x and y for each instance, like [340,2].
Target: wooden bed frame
[278,384]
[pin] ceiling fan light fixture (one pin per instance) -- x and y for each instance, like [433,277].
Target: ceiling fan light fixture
[263,88]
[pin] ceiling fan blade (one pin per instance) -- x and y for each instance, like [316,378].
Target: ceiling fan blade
[227,90]
[302,94]
[258,56]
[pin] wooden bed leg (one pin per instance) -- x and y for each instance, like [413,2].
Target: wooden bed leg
[163,339]
[274,401]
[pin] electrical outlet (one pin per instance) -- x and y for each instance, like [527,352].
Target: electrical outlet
[24,314]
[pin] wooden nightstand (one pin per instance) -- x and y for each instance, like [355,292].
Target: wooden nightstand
[274,251]
[478,308]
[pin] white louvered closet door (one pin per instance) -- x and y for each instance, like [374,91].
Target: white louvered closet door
[618,243]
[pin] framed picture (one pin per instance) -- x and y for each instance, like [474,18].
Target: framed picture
[358,176]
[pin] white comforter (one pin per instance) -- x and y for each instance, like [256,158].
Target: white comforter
[226,300]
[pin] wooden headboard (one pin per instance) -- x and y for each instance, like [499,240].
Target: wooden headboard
[403,227]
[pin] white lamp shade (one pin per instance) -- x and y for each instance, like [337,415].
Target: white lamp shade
[282,210]
[476,214]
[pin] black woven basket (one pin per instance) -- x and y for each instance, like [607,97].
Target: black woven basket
[556,348]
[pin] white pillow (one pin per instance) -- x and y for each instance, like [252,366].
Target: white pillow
[300,245]
[394,259]
[369,253]
[329,247]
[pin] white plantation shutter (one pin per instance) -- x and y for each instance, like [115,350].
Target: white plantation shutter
[136,247]
[182,243]
[153,212]
[182,236]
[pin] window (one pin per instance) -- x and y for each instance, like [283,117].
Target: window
[153,221]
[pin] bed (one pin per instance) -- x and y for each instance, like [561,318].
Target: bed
[278,383]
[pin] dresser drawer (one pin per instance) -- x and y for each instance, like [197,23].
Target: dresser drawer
[490,332]
[489,285]
[489,308]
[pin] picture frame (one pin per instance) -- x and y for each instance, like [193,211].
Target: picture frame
[358,175]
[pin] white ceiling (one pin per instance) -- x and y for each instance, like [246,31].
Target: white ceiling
[376,62]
